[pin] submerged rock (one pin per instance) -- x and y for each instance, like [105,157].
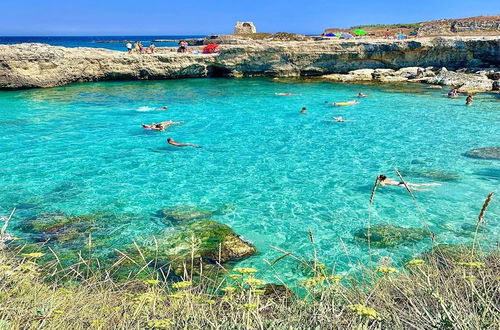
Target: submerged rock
[184,213]
[207,241]
[484,153]
[383,236]
[439,175]
[59,226]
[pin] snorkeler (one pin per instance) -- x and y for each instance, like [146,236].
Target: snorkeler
[178,144]
[469,99]
[303,111]
[385,181]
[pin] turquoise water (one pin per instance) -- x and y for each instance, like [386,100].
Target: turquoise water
[80,149]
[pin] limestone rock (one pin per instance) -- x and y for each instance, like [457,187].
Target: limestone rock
[467,83]
[39,65]
[383,236]
[244,28]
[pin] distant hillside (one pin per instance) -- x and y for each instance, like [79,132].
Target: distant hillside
[486,25]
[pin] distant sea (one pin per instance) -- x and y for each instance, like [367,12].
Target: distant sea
[96,41]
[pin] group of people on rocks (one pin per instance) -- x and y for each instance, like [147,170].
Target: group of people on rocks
[138,48]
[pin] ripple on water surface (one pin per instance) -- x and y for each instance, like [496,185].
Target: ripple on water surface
[80,149]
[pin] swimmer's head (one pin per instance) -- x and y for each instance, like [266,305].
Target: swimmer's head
[170,140]
[165,108]
[382,177]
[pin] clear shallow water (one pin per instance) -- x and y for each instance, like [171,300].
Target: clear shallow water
[80,149]
[94,41]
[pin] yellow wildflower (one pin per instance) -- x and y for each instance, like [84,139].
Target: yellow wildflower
[473,264]
[58,312]
[65,291]
[249,306]
[182,285]
[415,262]
[254,282]
[245,270]
[4,267]
[235,276]
[176,296]
[160,324]
[365,312]
[387,270]
[151,282]
[258,291]
[229,289]
[33,255]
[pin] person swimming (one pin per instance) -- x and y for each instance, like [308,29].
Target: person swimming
[385,181]
[453,93]
[361,95]
[285,94]
[179,144]
[469,99]
[163,108]
[303,111]
[341,120]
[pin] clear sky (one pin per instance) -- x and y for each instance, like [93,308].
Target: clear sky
[167,17]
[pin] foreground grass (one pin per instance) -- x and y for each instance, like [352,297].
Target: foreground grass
[437,292]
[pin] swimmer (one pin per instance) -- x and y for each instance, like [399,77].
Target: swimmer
[285,94]
[163,108]
[341,120]
[453,93]
[170,122]
[178,144]
[469,99]
[303,111]
[361,95]
[385,181]
[153,126]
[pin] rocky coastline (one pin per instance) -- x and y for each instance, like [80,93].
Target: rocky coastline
[476,61]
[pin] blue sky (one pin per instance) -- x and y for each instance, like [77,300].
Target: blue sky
[166,17]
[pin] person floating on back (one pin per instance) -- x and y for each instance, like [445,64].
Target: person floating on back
[179,144]
[339,104]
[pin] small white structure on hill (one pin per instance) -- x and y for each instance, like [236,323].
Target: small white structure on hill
[244,28]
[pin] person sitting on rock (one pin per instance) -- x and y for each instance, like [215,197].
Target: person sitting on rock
[178,144]
[152,48]
[183,47]
[469,99]
[420,73]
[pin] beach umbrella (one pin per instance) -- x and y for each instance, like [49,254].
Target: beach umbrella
[346,36]
[359,32]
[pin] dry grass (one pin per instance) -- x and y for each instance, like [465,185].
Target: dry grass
[439,292]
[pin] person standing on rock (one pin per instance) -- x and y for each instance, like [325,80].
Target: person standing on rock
[469,99]
[129,47]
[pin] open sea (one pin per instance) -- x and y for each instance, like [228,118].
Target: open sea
[96,41]
[80,149]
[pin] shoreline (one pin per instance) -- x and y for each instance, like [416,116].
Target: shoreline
[24,66]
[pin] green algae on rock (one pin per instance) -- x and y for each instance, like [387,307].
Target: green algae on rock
[484,153]
[384,235]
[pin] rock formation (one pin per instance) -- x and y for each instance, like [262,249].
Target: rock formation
[244,28]
[39,65]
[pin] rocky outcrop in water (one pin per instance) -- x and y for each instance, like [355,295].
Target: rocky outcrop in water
[38,65]
[484,153]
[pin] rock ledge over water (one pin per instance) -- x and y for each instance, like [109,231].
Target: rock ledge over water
[40,65]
